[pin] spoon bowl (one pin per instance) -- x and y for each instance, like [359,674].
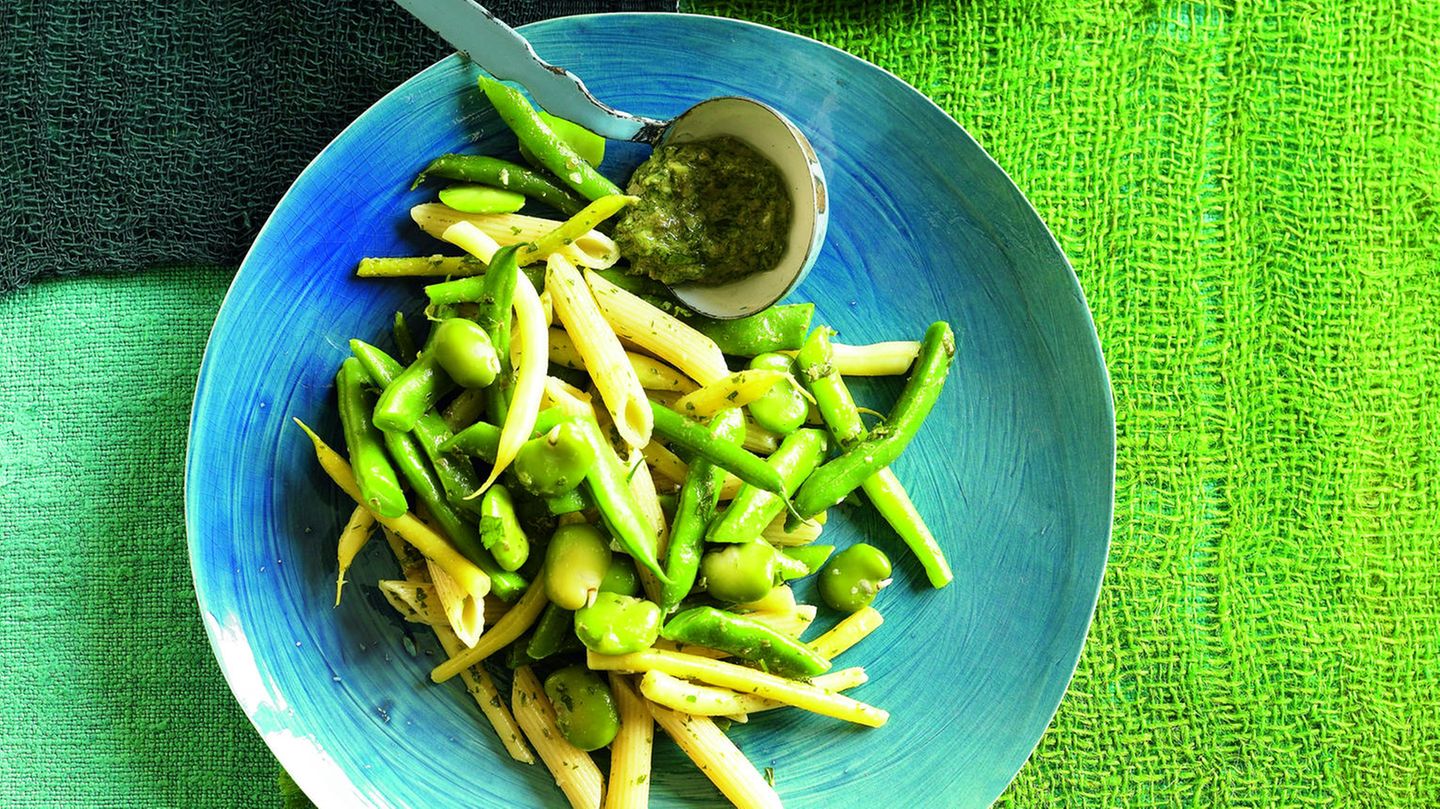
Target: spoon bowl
[507,56]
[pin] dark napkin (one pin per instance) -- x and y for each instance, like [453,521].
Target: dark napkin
[137,133]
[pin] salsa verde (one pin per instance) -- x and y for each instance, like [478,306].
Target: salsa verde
[710,212]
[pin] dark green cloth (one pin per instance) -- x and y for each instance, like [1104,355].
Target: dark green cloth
[1249,194]
[144,133]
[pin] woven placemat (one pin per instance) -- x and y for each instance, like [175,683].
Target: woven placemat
[140,133]
[1249,195]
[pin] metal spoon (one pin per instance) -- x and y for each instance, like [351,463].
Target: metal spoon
[506,55]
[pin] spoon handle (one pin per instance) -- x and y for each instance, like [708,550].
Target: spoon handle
[507,56]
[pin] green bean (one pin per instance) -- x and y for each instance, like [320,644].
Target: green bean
[410,460]
[587,144]
[585,709]
[779,328]
[414,391]
[698,496]
[456,472]
[809,557]
[575,227]
[465,409]
[469,198]
[494,317]
[832,398]
[749,640]
[404,340]
[608,483]
[374,473]
[555,623]
[548,148]
[471,289]
[500,530]
[836,479]
[408,266]
[482,439]
[697,439]
[502,174]
[753,509]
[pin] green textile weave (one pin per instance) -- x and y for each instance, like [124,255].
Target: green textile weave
[1250,194]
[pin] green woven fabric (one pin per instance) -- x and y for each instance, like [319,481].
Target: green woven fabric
[1251,196]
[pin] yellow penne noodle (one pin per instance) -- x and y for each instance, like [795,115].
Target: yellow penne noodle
[665,462]
[567,398]
[658,333]
[603,356]
[630,752]
[415,601]
[520,618]
[464,617]
[719,758]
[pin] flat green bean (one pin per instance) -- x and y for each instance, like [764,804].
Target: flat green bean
[833,481]
[696,507]
[753,509]
[374,473]
[694,437]
[550,149]
[502,174]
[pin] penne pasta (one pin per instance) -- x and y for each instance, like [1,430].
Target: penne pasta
[630,752]
[566,398]
[352,539]
[758,439]
[667,463]
[739,678]
[414,600]
[466,622]
[719,758]
[472,240]
[851,630]
[779,599]
[575,772]
[477,681]
[520,618]
[594,250]
[732,390]
[603,356]
[708,700]
[803,534]
[658,332]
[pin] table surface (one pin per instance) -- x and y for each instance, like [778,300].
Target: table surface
[1250,194]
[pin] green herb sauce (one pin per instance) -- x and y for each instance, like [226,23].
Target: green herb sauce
[710,212]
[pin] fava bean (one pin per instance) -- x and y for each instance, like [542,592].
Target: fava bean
[575,565]
[850,581]
[584,707]
[618,624]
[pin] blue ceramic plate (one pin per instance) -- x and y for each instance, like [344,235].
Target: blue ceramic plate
[1014,470]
